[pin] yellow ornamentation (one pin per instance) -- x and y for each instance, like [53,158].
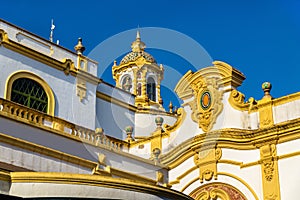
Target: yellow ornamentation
[206,110]
[206,160]
[81,88]
[217,190]
[26,74]
[269,167]
[265,112]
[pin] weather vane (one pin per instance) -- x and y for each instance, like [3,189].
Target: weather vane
[51,31]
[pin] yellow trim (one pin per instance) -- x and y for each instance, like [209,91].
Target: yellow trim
[26,74]
[58,126]
[177,180]
[67,157]
[66,65]
[4,176]
[95,180]
[127,175]
[225,174]
[233,139]
[189,183]
[250,164]
[242,181]
[269,172]
[237,101]
[289,155]
[46,151]
[230,162]
[205,194]
[228,76]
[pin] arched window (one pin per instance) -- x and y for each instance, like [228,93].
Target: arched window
[127,83]
[139,89]
[30,90]
[29,93]
[151,89]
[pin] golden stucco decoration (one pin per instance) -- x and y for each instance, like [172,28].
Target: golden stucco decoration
[206,161]
[203,91]
[207,103]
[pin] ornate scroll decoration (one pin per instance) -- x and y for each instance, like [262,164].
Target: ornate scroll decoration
[101,168]
[217,191]
[237,101]
[269,169]
[207,104]
[265,113]
[81,88]
[207,163]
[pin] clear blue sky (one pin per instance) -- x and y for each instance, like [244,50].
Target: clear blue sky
[260,38]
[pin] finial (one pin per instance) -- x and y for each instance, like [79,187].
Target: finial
[138,36]
[115,63]
[161,101]
[79,48]
[99,131]
[175,110]
[138,45]
[161,67]
[266,86]
[99,135]
[129,130]
[159,121]
[51,30]
[171,107]
[155,155]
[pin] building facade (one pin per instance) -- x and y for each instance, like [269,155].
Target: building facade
[66,133]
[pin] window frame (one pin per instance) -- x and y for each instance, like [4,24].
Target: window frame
[29,75]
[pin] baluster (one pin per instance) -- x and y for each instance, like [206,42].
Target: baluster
[40,121]
[11,110]
[21,111]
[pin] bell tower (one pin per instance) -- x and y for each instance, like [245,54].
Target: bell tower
[139,73]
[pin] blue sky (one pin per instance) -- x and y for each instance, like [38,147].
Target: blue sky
[259,38]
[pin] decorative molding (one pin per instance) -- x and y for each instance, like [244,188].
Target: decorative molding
[58,126]
[208,103]
[66,65]
[269,167]
[96,180]
[204,89]
[116,101]
[234,139]
[217,190]
[27,74]
[237,101]
[46,151]
[265,113]
[227,76]
[81,88]
[207,163]
[181,114]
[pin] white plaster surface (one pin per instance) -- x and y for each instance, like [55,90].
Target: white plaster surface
[286,111]
[245,156]
[289,177]
[72,190]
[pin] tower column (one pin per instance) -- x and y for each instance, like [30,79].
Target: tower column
[134,81]
[144,84]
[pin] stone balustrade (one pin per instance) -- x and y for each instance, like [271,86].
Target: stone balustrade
[36,118]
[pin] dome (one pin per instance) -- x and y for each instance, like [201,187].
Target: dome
[138,48]
[133,56]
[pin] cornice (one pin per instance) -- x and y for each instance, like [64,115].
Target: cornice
[239,139]
[66,65]
[116,101]
[46,151]
[95,180]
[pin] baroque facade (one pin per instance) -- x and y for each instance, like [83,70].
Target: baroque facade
[66,133]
